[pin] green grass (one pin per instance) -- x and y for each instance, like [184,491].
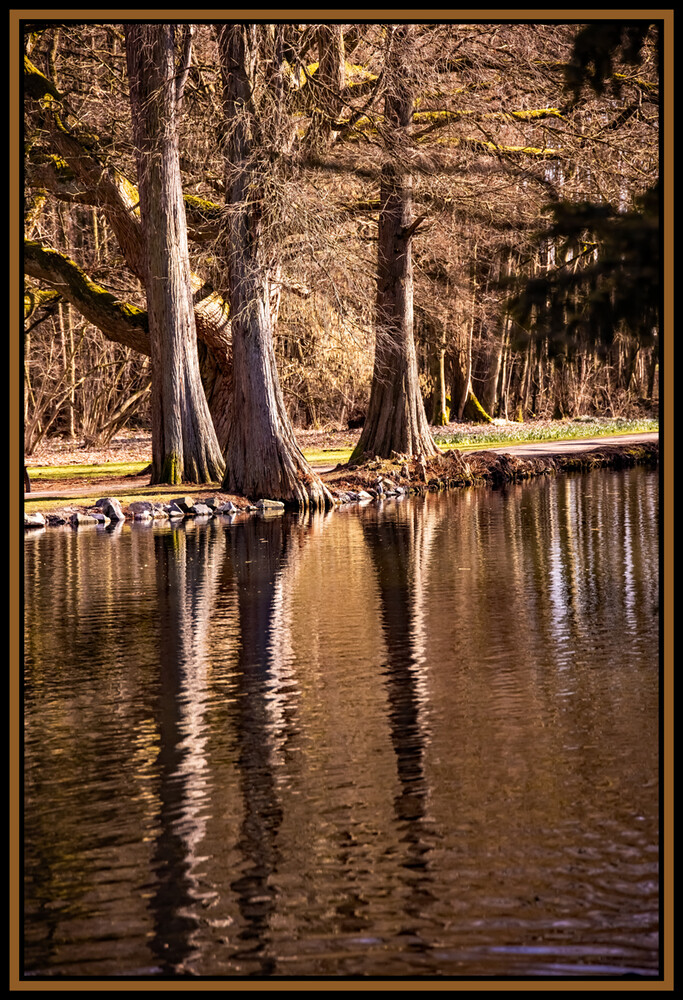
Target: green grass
[330,456]
[57,472]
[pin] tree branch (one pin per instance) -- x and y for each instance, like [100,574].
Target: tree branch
[119,321]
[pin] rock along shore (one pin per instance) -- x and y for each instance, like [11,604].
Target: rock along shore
[375,478]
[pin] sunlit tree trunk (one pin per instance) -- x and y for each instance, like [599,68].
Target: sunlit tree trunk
[262,456]
[440,413]
[184,443]
[652,374]
[489,393]
[396,419]
[462,372]
[465,404]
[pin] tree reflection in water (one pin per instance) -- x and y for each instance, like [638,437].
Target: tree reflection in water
[414,738]
[400,541]
[187,565]
[265,559]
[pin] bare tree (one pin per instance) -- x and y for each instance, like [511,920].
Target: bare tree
[184,443]
[396,419]
[70,164]
[262,456]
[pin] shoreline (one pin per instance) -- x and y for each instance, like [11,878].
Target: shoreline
[377,478]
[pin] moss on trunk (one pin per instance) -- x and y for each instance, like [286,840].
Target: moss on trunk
[474,412]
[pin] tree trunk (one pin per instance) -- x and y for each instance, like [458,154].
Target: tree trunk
[468,406]
[440,411]
[184,443]
[69,366]
[262,456]
[396,419]
[326,87]
[652,374]
[99,182]
[489,395]
[461,372]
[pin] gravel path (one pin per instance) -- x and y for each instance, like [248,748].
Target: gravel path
[574,445]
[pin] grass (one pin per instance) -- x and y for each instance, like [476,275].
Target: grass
[478,436]
[56,472]
[330,456]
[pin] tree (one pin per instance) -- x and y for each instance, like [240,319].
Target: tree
[396,419]
[606,274]
[184,443]
[262,456]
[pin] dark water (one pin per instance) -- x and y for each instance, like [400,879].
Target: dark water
[414,740]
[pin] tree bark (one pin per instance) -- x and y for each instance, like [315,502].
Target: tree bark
[440,410]
[396,419]
[262,456]
[184,443]
[461,384]
[652,374]
[488,396]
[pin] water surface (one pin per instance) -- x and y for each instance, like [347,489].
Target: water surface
[417,739]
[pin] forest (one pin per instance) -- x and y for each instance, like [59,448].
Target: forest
[234,231]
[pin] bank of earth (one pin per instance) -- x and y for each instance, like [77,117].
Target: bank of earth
[376,478]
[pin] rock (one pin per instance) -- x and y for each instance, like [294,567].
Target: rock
[111,507]
[201,509]
[228,508]
[78,519]
[269,505]
[99,516]
[215,503]
[143,510]
[54,520]
[34,520]
[140,506]
[173,510]
[185,503]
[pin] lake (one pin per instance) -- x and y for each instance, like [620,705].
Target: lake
[416,739]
